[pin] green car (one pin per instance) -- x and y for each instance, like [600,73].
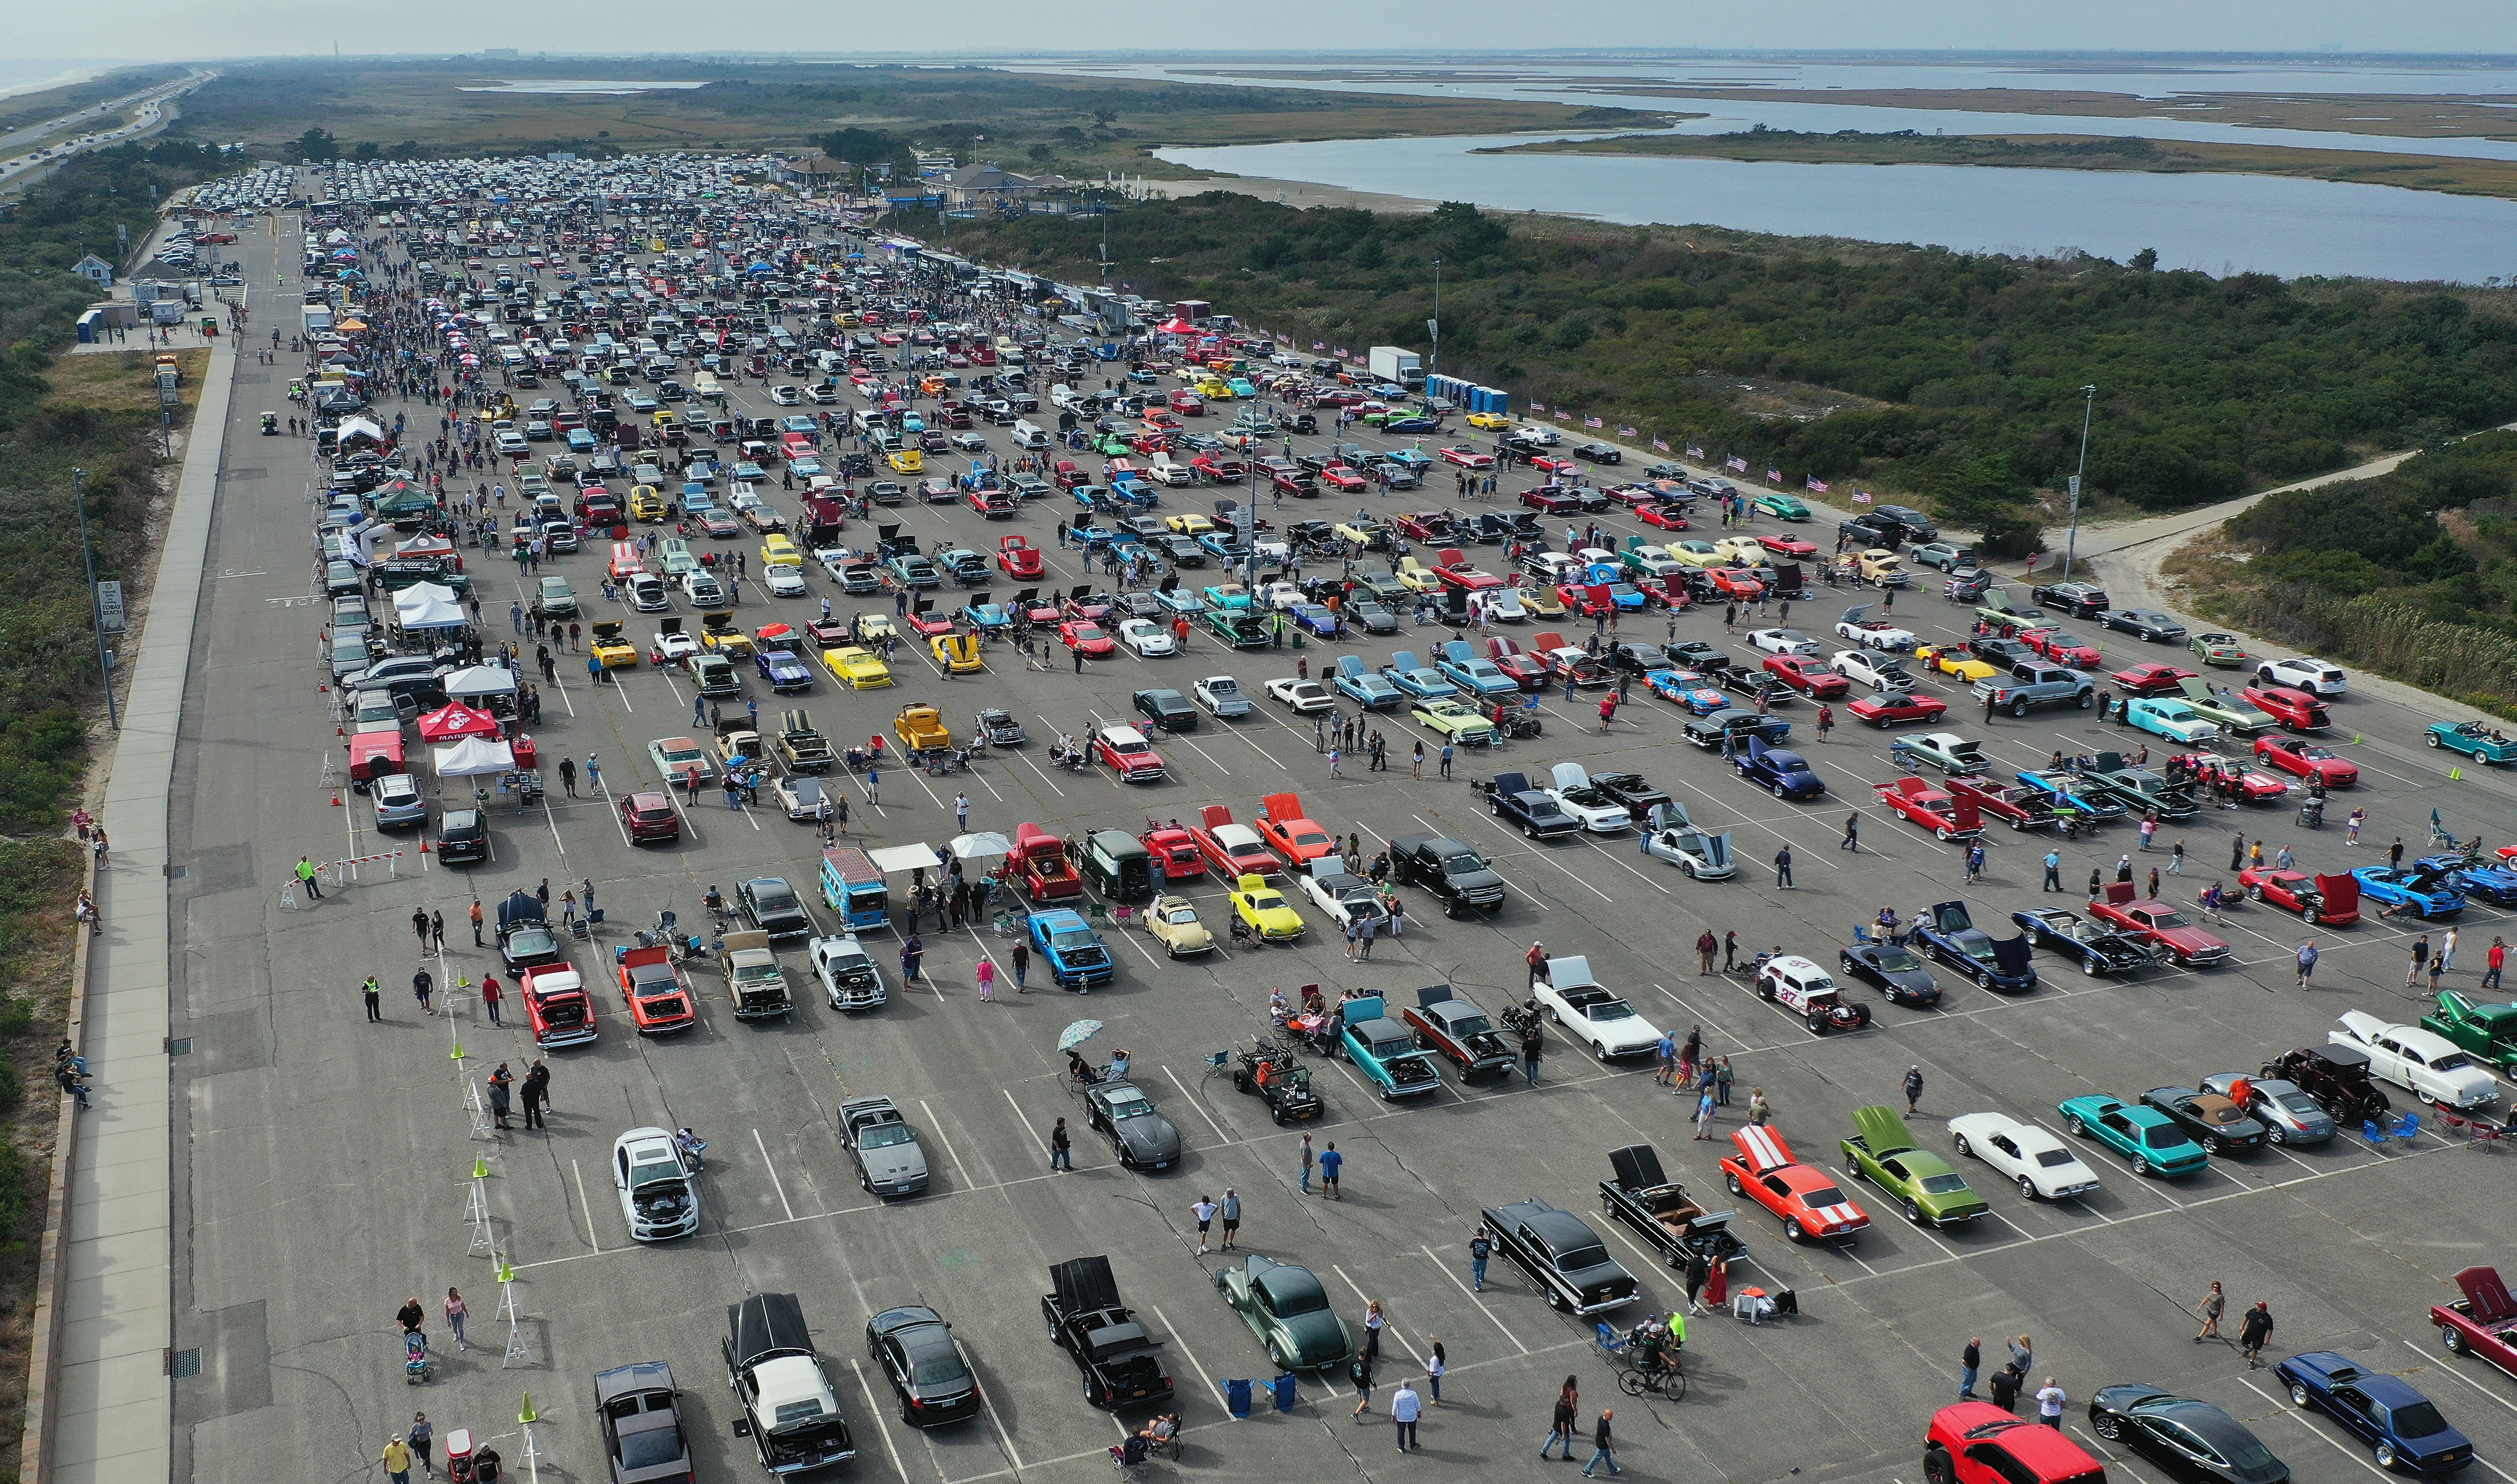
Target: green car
[2147,1137]
[2222,649]
[1289,1311]
[1112,446]
[1948,751]
[1995,609]
[1883,1152]
[2488,1030]
[1454,722]
[1781,507]
[2231,710]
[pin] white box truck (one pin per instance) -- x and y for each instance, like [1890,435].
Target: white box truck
[1391,363]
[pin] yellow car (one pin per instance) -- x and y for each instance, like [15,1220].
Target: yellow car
[908,461]
[1880,566]
[1696,554]
[778,551]
[718,633]
[1266,909]
[647,503]
[1492,420]
[664,417]
[1541,602]
[957,654]
[610,649]
[1955,661]
[1213,391]
[872,628]
[1172,922]
[1744,550]
[920,729]
[856,668]
[1416,577]
[1188,524]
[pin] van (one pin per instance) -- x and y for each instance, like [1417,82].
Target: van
[1030,435]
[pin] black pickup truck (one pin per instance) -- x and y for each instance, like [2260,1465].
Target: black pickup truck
[1561,1254]
[1671,1221]
[1449,869]
[1087,1320]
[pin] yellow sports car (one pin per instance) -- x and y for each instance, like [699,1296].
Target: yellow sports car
[1542,603]
[647,503]
[1266,909]
[1416,577]
[1955,661]
[778,551]
[611,651]
[1493,420]
[1172,920]
[1188,524]
[908,461]
[957,654]
[856,667]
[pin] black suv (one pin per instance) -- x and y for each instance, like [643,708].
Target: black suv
[462,835]
[2081,600]
[1869,531]
[1916,526]
[1449,869]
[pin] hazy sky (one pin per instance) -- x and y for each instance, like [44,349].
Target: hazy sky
[158,30]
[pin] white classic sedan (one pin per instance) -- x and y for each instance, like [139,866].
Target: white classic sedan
[1591,1015]
[2030,1155]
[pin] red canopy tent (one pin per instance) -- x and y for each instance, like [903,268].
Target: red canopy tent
[456,720]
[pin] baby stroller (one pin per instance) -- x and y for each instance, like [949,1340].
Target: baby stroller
[415,1364]
[2312,813]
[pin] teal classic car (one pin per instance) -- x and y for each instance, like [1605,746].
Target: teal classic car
[1289,1311]
[1383,1049]
[2476,739]
[1882,1151]
[1781,507]
[2147,1137]
[1948,751]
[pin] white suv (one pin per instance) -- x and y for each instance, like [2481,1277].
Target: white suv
[2314,676]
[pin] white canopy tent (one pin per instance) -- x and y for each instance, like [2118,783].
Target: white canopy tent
[481,680]
[473,757]
[425,604]
[905,858]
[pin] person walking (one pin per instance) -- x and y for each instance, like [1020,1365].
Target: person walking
[1061,1148]
[1437,1364]
[2053,870]
[1706,945]
[476,924]
[1446,760]
[1330,1162]
[457,1313]
[961,814]
[375,997]
[2213,1305]
[2493,962]
[1022,967]
[422,1436]
[1230,1212]
[1969,1361]
[1604,1447]
[2238,852]
[1913,1087]
[2446,951]
[1481,1249]
[1373,1322]
[1721,1077]
[1665,1058]
[1416,766]
[1565,1420]
[437,931]
[1359,1372]
[1783,869]
[1698,1268]
[987,976]
[397,1459]
[1405,1407]
[422,988]
[1309,1160]
[490,996]
[2419,960]
[2176,859]
[1204,1209]
[2350,832]
[1705,1110]
[2307,956]
[1851,833]
[567,775]
[2049,1404]
[1533,1047]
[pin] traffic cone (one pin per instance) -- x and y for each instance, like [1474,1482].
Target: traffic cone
[424,844]
[457,1054]
[479,1168]
[336,798]
[340,731]
[506,1270]
[528,1415]
[2456,774]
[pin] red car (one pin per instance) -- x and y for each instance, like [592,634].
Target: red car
[1733,582]
[1527,669]
[1788,545]
[1945,814]
[1344,481]
[1452,567]
[650,816]
[994,504]
[1549,463]
[557,1007]
[2234,779]
[2484,1321]
[1808,675]
[1084,636]
[2062,647]
[2014,804]
[1296,837]
[2151,680]
[1888,707]
[659,1002]
[1176,851]
[2297,755]
[1979,1443]
[1038,863]
[1093,606]
[1424,525]
[1232,849]
[1066,476]
[1124,750]
[1019,557]
[1586,599]
[2157,925]
[2295,710]
[2324,900]
[1551,502]
[1804,1197]
[1666,517]
[1218,469]
[927,623]
[1467,457]
[829,633]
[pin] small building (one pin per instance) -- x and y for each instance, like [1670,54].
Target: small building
[95,270]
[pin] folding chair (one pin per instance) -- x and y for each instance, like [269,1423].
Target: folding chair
[2374,1133]
[2408,1126]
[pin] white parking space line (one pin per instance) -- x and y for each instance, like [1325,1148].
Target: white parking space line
[1703,1018]
[1475,1299]
[1208,756]
[874,1408]
[1200,1104]
[771,1166]
[1387,1327]
[1174,1333]
[937,1129]
[2318,1433]
[580,1175]
[2447,1370]
[1025,1116]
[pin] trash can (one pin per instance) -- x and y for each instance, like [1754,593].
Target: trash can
[1286,1395]
[1236,1398]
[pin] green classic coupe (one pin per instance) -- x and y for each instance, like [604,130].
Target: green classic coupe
[2226,707]
[2226,651]
[1454,721]
[1882,1150]
[1289,1311]
[1781,507]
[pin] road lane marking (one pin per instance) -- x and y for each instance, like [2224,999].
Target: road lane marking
[937,1129]
[579,1177]
[771,1166]
[874,1408]
[1475,1299]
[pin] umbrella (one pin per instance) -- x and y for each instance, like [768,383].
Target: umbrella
[1078,1034]
[979,846]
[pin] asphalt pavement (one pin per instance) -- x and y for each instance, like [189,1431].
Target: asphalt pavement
[325,1164]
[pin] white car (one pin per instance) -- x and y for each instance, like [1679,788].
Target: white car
[1876,634]
[1782,641]
[1346,898]
[742,496]
[1165,472]
[1590,1014]
[1147,638]
[1300,696]
[2436,1069]
[787,396]
[2029,1155]
[1655,560]
[783,580]
[1880,672]
[1576,795]
[1671,835]
[659,1198]
[1221,696]
[674,645]
[1502,604]
[1539,433]
[703,590]
[2314,676]
[1282,597]
[823,397]
[850,978]
[1798,985]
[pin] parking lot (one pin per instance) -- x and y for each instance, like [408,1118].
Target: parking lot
[327,1162]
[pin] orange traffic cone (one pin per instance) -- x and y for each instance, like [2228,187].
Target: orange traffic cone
[424,844]
[322,690]
[336,798]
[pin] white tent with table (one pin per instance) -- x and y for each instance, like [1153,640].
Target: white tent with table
[425,604]
[474,757]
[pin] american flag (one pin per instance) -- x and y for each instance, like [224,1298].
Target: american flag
[1694,451]
[1563,416]
[1773,476]
[1319,345]
[1818,485]
[1737,465]
[1343,353]
[1625,432]
[1537,407]
[1284,339]
[1593,422]
[1861,497]
[1661,443]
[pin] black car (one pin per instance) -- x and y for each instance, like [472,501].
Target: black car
[1868,530]
[2081,600]
[2008,655]
[1449,869]
[1911,523]
[1895,971]
[1560,1255]
[2148,622]
[999,727]
[1732,727]
[2190,1440]
[1535,811]
[1599,454]
[640,1411]
[2097,947]
[1167,709]
[1695,655]
[1755,685]
[1631,790]
[2219,1125]
[772,906]
[462,835]
[1184,551]
[924,1364]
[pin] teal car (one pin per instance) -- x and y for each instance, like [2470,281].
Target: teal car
[1289,1311]
[1242,387]
[1384,1051]
[2230,710]
[2146,1137]
[1781,507]
[1227,595]
[2479,740]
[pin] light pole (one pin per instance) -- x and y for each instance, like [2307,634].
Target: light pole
[2072,542]
[95,604]
[1433,326]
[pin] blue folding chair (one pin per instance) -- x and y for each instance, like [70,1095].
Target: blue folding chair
[2375,1133]
[2408,1126]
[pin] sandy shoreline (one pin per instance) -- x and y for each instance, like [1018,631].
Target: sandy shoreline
[73,74]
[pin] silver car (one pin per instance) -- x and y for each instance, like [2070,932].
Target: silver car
[399,801]
[886,1149]
[2288,1115]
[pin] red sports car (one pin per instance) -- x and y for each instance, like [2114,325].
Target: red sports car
[2243,782]
[1093,606]
[1804,1197]
[1927,804]
[1424,525]
[927,625]
[2151,680]
[1176,851]
[2062,647]
[1585,600]
[1548,463]
[2157,925]
[659,1002]
[1666,517]
[1730,582]
[1019,557]
[1340,477]
[2297,709]
[1808,675]
[1528,669]
[1551,502]
[2297,755]
[2324,900]
[1788,545]
[1295,837]
[1084,636]
[1888,707]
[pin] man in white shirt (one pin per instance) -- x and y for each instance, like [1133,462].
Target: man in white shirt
[1405,1407]
[2049,1404]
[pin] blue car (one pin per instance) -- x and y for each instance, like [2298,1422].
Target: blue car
[1383,1049]
[696,500]
[748,471]
[1413,458]
[1481,677]
[1415,424]
[2065,789]
[1949,934]
[2425,894]
[1219,544]
[2147,1137]
[1687,689]
[1417,678]
[1785,775]
[2495,884]
[1315,619]
[1361,686]
[1180,600]
[1075,953]
[980,476]
[803,422]
[2387,1412]
[988,618]
[783,670]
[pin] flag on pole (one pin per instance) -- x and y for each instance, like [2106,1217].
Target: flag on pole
[1737,465]
[1593,422]
[1537,407]
[1693,451]
[1624,432]
[1661,443]
[1861,497]
[1319,345]
[1563,416]
[1773,476]
[1818,485]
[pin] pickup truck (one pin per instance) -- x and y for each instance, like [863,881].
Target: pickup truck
[1384,1051]
[2030,686]
[1102,1337]
[752,978]
[1449,869]
[2487,1031]
[1560,1253]
[1671,1221]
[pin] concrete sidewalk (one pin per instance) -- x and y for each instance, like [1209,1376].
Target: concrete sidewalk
[111,1412]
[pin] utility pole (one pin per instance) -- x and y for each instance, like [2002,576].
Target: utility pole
[2072,542]
[1433,326]
[95,602]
